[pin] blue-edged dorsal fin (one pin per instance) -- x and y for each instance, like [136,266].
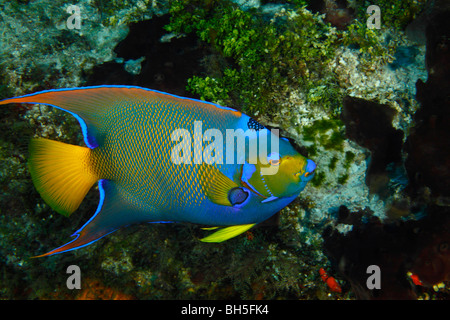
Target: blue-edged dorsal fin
[89,105]
[112,213]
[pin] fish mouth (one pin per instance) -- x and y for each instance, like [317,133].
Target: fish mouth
[309,170]
[309,174]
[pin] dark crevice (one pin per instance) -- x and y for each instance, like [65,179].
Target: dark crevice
[369,124]
[167,65]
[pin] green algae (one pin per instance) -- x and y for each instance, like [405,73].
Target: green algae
[343,178]
[265,56]
[318,179]
[349,157]
[374,48]
[328,133]
[332,163]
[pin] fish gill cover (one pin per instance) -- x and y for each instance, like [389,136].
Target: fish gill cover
[314,69]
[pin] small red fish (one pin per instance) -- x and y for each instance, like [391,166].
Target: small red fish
[330,281]
[323,274]
[415,279]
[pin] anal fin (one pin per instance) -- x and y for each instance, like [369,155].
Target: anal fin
[112,214]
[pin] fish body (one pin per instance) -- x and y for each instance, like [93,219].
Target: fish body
[162,158]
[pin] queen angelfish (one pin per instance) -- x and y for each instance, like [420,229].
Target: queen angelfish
[135,138]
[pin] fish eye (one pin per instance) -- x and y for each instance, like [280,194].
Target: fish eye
[274,159]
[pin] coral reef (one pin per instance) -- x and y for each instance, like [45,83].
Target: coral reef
[401,247]
[60,56]
[344,94]
[283,53]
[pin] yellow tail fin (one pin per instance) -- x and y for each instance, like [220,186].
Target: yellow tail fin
[61,173]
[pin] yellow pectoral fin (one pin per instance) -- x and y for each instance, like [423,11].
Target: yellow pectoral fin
[217,186]
[227,233]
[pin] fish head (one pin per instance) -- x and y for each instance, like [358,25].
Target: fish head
[284,174]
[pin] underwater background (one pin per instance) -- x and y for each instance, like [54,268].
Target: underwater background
[368,103]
